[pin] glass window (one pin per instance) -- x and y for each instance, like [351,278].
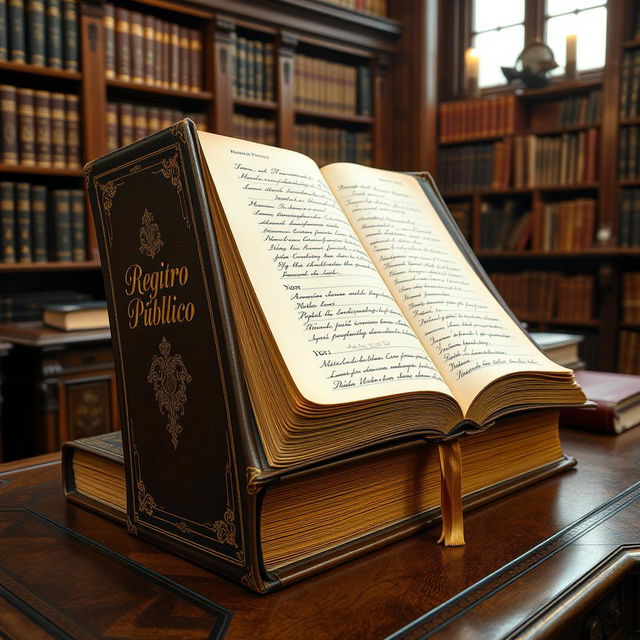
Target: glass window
[498,37]
[587,19]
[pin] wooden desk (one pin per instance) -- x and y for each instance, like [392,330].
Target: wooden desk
[557,559]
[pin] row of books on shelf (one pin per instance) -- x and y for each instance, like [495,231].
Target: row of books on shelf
[27,306]
[375,7]
[39,128]
[143,49]
[128,122]
[467,168]
[253,76]
[261,130]
[567,159]
[629,352]
[568,225]
[628,152]
[332,86]
[581,110]
[505,226]
[469,119]
[41,225]
[631,297]
[630,84]
[461,212]
[332,144]
[40,32]
[629,218]
[547,295]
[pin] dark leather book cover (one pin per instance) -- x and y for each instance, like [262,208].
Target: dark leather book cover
[23,221]
[36,31]
[9,124]
[42,105]
[61,201]
[7,222]
[39,222]
[4,31]
[136,33]
[26,127]
[54,33]
[78,226]
[70,34]
[17,36]
[58,131]
[109,30]
[123,45]
[72,134]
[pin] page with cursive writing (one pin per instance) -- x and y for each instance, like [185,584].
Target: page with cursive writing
[466,331]
[338,329]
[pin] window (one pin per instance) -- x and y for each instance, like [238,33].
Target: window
[585,18]
[498,37]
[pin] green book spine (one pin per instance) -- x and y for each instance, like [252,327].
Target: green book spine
[72,122]
[23,221]
[58,131]
[364,91]
[54,33]
[70,35]
[42,104]
[39,222]
[9,123]
[26,127]
[4,31]
[7,222]
[62,225]
[17,39]
[78,226]
[35,30]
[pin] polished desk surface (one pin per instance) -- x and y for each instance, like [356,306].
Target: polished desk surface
[534,564]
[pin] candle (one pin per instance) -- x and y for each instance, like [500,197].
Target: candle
[471,64]
[570,65]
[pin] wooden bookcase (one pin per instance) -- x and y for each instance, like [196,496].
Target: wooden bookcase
[606,259]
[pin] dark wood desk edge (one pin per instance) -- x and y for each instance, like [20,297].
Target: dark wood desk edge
[27,464]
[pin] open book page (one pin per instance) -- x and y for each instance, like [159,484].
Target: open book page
[338,329]
[465,330]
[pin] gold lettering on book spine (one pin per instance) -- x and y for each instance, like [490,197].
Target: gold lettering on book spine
[170,378]
[150,238]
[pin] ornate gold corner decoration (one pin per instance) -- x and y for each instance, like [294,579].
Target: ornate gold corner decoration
[146,503]
[170,169]
[179,130]
[252,474]
[225,530]
[150,239]
[131,528]
[108,191]
[170,378]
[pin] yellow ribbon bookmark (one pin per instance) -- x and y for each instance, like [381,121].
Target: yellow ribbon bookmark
[451,493]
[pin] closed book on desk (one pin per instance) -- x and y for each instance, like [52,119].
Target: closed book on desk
[617,399]
[259,340]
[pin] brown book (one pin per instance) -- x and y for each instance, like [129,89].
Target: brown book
[139,121]
[123,44]
[184,55]
[113,128]
[58,131]
[42,104]
[186,263]
[149,48]
[78,225]
[109,29]
[195,59]
[9,123]
[136,34]
[26,127]
[174,56]
[165,58]
[125,121]
[79,316]
[23,222]
[158,52]
[72,121]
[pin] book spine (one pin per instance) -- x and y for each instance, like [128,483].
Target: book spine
[72,121]
[125,111]
[136,35]
[23,221]
[153,119]
[269,75]
[17,40]
[174,56]
[58,131]
[139,122]
[364,91]
[7,222]
[26,127]
[39,222]
[184,53]
[123,45]
[158,49]
[70,35]
[35,30]
[109,28]
[9,123]
[54,34]
[43,128]
[195,59]
[149,43]
[78,226]
[62,225]
[4,32]
[112,127]
[166,55]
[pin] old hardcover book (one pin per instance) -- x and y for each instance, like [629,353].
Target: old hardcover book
[17,37]
[123,44]
[278,340]
[61,231]
[77,317]
[42,107]
[109,29]
[39,222]
[70,34]
[4,31]
[7,222]
[58,131]
[78,226]
[136,40]
[72,126]
[26,127]
[23,221]
[54,33]
[36,31]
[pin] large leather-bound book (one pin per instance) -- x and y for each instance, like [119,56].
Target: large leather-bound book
[271,320]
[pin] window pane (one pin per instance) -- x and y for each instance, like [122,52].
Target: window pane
[591,29]
[489,14]
[498,49]
[554,7]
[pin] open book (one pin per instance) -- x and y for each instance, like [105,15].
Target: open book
[359,314]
